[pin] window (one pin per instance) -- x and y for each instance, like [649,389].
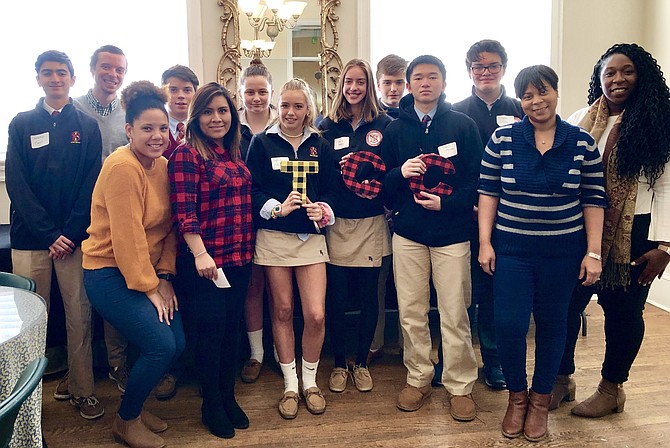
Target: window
[152,34]
[305,47]
[448,29]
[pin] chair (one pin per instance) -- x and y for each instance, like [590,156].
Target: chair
[17,281]
[9,408]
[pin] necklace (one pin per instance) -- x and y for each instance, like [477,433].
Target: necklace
[292,136]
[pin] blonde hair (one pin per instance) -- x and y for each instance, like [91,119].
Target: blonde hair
[341,107]
[300,85]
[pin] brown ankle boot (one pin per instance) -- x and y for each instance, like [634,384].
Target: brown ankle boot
[135,434]
[535,427]
[564,390]
[608,398]
[512,424]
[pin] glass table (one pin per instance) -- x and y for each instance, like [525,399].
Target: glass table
[23,332]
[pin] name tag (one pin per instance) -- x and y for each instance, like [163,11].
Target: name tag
[503,120]
[39,140]
[341,143]
[448,150]
[276,162]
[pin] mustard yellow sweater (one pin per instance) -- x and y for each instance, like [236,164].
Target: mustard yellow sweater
[131,222]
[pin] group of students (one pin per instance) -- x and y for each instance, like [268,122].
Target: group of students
[493,199]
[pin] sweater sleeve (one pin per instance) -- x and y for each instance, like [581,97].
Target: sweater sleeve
[23,200]
[491,166]
[256,161]
[464,197]
[393,180]
[75,225]
[184,174]
[592,184]
[168,260]
[124,200]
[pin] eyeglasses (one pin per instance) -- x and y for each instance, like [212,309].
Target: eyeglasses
[479,69]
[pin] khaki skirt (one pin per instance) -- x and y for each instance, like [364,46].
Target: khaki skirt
[359,242]
[274,248]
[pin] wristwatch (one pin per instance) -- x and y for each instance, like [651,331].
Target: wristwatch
[664,248]
[168,277]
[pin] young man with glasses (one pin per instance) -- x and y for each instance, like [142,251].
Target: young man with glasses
[491,108]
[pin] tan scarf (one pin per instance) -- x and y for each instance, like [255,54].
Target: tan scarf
[621,197]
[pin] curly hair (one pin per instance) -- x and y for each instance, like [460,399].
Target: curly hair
[140,96]
[644,137]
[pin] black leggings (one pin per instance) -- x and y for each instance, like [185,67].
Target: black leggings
[212,323]
[623,308]
[343,282]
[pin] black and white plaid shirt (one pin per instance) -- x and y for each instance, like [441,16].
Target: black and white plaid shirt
[98,107]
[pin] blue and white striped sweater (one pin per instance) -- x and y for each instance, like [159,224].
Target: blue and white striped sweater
[541,196]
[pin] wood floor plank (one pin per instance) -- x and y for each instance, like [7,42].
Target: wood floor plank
[372,420]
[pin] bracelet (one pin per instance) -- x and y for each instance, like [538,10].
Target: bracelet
[201,253]
[276,212]
[594,255]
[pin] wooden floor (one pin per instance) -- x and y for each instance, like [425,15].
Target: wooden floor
[372,420]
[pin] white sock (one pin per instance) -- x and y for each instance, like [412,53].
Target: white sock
[309,374]
[290,377]
[274,352]
[256,344]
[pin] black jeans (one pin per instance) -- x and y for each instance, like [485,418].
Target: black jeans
[343,282]
[212,322]
[623,308]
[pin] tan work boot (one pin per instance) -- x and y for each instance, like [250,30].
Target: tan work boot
[564,390]
[135,434]
[153,423]
[608,398]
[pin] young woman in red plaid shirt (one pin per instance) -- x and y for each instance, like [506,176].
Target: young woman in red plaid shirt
[211,203]
[360,237]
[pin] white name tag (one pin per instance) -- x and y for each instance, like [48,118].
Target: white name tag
[39,140]
[341,143]
[503,120]
[276,162]
[448,150]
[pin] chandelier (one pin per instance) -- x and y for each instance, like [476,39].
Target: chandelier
[280,15]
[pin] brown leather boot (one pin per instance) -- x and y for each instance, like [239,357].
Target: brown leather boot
[135,434]
[512,424]
[535,427]
[564,390]
[608,398]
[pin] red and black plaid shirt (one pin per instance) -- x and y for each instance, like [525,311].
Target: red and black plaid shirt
[213,198]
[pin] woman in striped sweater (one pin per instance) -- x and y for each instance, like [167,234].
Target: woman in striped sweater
[540,227]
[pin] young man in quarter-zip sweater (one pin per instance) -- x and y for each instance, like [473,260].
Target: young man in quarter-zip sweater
[432,235]
[53,161]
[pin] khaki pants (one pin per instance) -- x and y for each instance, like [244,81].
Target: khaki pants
[413,265]
[37,265]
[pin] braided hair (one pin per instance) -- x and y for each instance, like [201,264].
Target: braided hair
[644,136]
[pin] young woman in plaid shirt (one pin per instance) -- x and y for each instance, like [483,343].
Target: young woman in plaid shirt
[211,203]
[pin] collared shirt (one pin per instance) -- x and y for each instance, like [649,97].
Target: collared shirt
[98,107]
[213,199]
[430,113]
[173,122]
[50,109]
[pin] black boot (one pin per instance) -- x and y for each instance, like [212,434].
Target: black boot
[235,414]
[215,418]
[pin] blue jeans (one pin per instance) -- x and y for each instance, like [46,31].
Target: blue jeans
[543,285]
[135,317]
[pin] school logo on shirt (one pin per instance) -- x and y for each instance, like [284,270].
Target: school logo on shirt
[76,137]
[313,152]
[374,138]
